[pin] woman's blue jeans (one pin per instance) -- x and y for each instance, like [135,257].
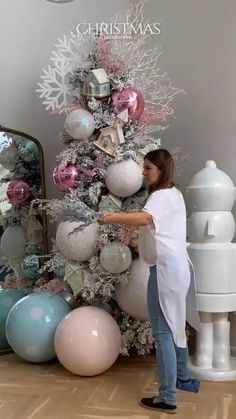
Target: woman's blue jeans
[171,360]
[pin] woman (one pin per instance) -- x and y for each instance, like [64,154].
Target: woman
[162,244]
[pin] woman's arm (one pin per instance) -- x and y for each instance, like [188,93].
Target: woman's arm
[130,218]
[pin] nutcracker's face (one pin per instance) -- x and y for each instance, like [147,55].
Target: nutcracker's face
[151,173]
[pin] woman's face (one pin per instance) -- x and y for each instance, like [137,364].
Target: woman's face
[151,173]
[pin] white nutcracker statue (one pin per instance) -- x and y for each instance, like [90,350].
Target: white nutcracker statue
[211,228]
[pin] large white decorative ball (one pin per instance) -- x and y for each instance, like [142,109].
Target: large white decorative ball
[80,245]
[115,257]
[132,297]
[79,124]
[13,241]
[124,178]
[88,341]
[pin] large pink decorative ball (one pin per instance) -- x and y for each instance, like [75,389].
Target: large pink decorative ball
[131,99]
[66,177]
[18,193]
[88,341]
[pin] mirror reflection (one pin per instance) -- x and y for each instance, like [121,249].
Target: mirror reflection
[22,227]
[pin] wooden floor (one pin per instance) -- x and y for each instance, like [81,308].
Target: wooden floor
[48,391]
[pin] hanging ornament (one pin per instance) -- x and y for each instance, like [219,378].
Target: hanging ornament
[141,153]
[74,276]
[115,257]
[28,151]
[124,178]
[131,99]
[66,177]
[80,124]
[31,266]
[18,193]
[110,138]
[123,116]
[59,265]
[110,203]
[34,228]
[97,84]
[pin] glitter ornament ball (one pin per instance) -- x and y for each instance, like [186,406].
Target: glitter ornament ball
[13,242]
[132,298]
[88,341]
[18,193]
[31,325]
[124,178]
[115,257]
[66,177]
[131,99]
[80,124]
[79,246]
[28,151]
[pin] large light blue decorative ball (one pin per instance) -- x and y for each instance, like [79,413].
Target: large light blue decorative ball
[8,297]
[31,325]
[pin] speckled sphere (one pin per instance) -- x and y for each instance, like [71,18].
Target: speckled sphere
[79,246]
[124,178]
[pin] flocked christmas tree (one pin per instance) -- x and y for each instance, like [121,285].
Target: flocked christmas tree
[116,103]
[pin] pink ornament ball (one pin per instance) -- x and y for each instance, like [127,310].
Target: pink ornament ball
[131,99]
[18,193]
[66,177]
[88,341]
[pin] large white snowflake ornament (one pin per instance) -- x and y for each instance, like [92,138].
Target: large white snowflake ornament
[54,89]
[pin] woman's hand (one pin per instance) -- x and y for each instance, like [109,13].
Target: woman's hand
[132,218]
[106,218]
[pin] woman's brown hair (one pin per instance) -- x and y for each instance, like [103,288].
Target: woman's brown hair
[162,159]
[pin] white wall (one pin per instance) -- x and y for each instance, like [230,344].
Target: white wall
[199,43]
[198,39]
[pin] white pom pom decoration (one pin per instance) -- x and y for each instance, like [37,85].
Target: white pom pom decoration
[115,257]
[124,178]
[79,246]
[132,298]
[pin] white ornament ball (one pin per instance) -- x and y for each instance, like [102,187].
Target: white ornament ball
[13,242]
[80,124]
[80,245]
[88,341]
[124,178]
[115,257]
[8,156]
[132,297]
